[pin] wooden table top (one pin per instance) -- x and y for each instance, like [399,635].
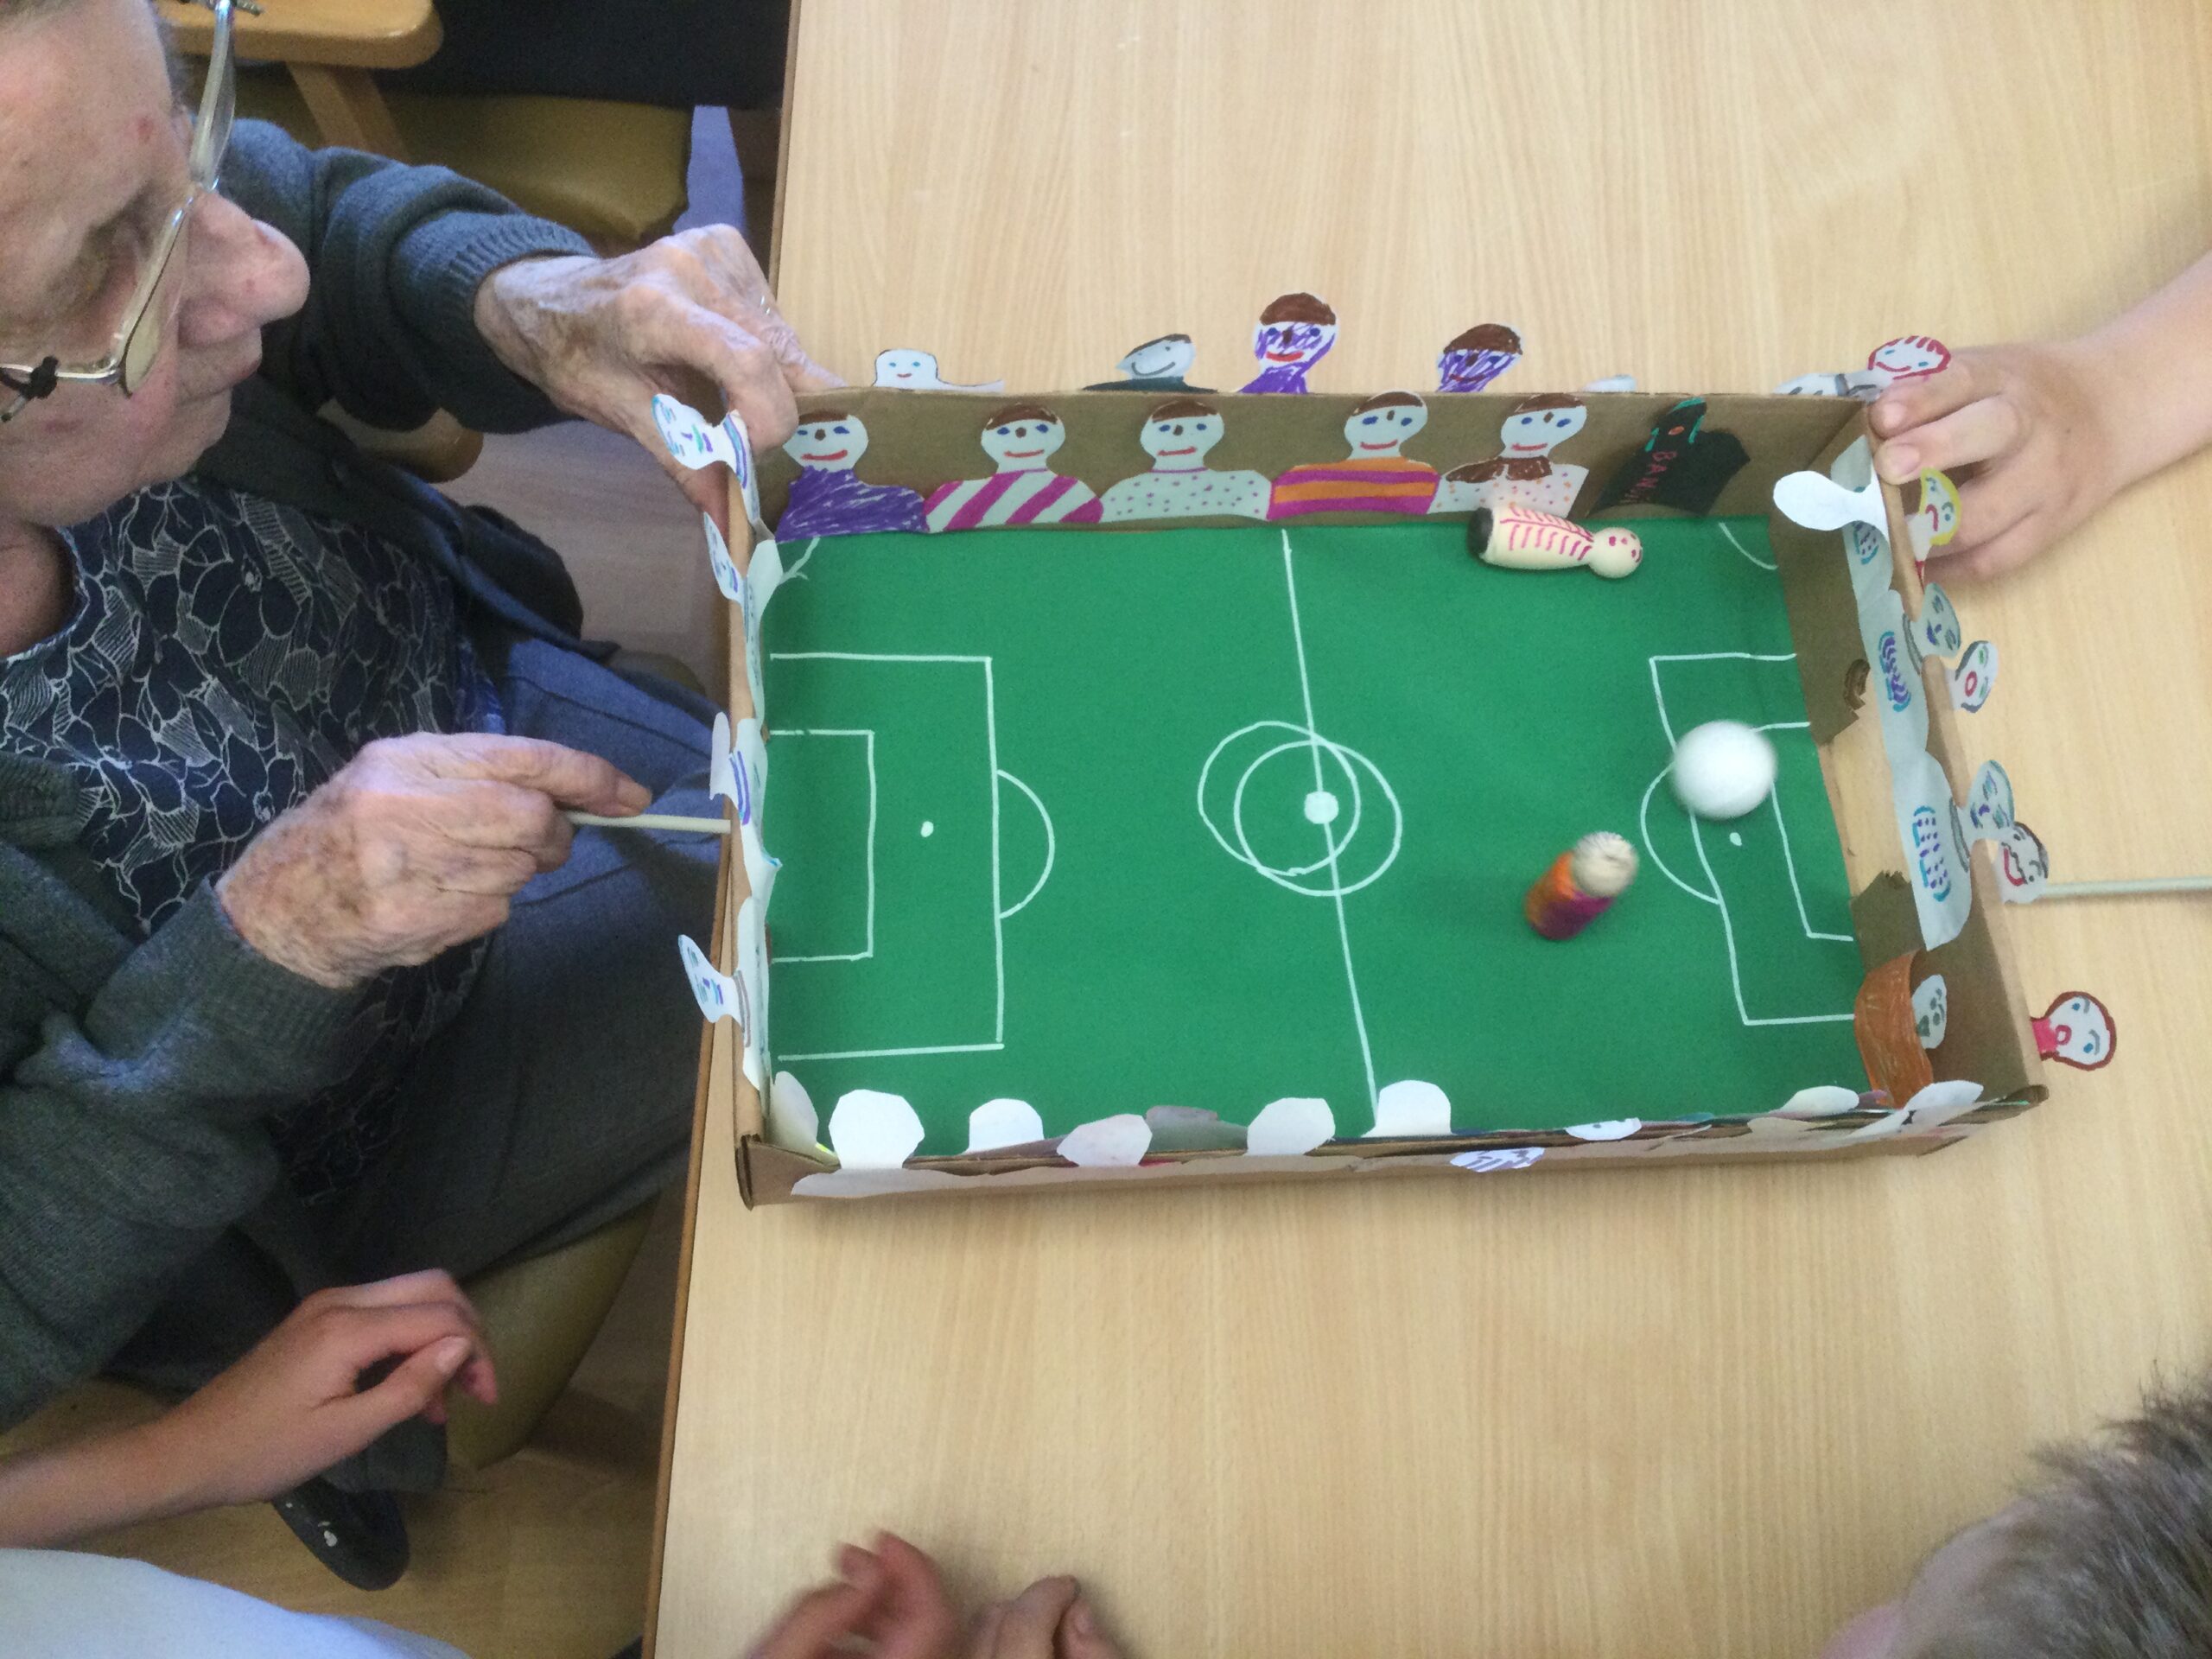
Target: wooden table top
[1624,1413]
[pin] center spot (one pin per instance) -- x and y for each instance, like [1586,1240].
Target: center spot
[1735,837]
[1321,807]
[928,829]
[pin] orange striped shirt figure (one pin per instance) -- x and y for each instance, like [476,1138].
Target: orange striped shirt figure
[1521,538]
[1375,477]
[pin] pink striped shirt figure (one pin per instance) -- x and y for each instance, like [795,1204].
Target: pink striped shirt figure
[1021,439]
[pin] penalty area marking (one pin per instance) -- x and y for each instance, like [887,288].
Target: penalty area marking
[868,937]
[1730,535]
[1715,897]
[998,909]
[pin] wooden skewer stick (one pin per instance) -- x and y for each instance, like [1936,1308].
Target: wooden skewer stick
[653,821]
[2124,889]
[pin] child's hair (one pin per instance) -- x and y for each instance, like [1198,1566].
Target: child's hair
[2112,1556]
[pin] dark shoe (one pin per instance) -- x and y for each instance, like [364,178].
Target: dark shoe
[360,1536]
[635,1651]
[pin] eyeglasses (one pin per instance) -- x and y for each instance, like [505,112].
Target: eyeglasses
[136,342]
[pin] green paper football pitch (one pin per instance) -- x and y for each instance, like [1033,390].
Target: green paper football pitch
[1214,817]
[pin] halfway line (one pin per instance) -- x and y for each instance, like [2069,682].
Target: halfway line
[1336,878]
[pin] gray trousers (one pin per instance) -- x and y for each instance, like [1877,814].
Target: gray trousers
[561,1097]
[558,1099]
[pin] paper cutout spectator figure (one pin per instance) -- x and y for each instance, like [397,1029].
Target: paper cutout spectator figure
[1684,464]
[1473,360]
[1178,436]
[1375,477]
[1294,333]
[1522,472]
[828,497]
[903,369]
[1021,439]
[2076,1030]
[1157,366]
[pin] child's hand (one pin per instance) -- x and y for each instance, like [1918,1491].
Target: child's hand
[889,1602]
[293,1406]
[890,1597]
[2025,432]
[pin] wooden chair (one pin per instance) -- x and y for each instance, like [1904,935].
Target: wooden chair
[613,173]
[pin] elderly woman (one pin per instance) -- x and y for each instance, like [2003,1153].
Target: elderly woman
[303,980]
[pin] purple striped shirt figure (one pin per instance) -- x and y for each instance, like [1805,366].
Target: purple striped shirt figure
[828,498]
[1475,358]
[1021,439]
[1294,333]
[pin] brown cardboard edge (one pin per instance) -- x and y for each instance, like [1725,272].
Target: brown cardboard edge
[1993,1044]
[776,1172]
[920,440]
[1821,607]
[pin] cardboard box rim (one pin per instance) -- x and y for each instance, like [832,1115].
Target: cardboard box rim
[1989,1039]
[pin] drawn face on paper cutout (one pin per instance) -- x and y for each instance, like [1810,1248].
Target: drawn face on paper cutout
[1161,359]
[1910,356]
[1931,1010]
[1530,433]
[2022,861]
[1180,442]
[1869,561]
[1990,809]
[913,369]
[1975,676]
[1937,519]
[1023,445]
[708,987]
[1937,625]
[1282,343]
[1379,434]
[2075,1031]
[828,445]
[683,431]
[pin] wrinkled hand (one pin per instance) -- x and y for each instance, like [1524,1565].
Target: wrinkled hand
[892,1602]
[599,337]
[2023,430]
[416,845]
[292,1407]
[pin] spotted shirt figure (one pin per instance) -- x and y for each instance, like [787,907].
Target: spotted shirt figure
[1522,473]
[828,497]
[1294,333]
[1179,434]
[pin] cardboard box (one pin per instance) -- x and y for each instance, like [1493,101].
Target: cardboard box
[924,439]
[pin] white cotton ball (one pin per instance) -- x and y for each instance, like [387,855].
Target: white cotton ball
[1723,769]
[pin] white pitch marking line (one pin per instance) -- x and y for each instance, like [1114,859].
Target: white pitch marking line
[1727,922]
[998,922]
[791,573]
[1730,535]
[1644,823]
[1788,858]
[889,1053]
[998,898]
[1052,846]
[1336,878]
[868,950]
